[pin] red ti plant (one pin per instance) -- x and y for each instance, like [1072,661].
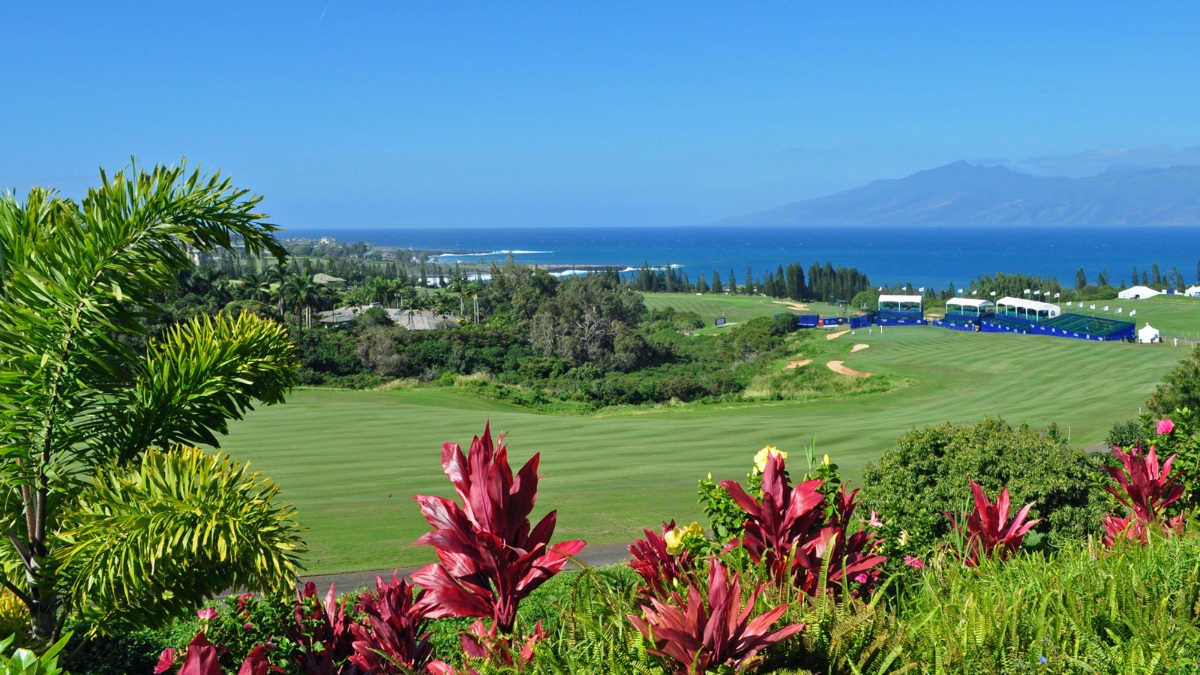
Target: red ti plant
[323,632]
[1146,489]
[392,639]
[204,659]
[490,557]
[789,532]
[658,568]
[989,531]
[701,636]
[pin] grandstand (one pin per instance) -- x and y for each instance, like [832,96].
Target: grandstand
[1090,327]
[1031,310]
[898,310]
[968,308]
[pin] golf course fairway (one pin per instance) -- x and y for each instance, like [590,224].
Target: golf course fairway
[352,460]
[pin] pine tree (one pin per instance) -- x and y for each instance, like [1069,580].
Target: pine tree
[1080,280]
[1102,281]
[701,285]
[748,281]
[1157,275]
[716,284]
[732,283]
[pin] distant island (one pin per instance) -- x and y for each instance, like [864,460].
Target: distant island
[968,195]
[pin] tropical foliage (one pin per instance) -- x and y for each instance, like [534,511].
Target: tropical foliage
[77,280]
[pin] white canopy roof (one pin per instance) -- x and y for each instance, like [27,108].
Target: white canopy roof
[970,302]
[1138,292]
[900,298]
[1028,304]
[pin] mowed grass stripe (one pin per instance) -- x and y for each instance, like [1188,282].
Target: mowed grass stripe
[338,455]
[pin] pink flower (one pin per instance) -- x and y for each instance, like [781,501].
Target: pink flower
[207,614]
[166,661]
[1165,426]
[248,626]
[875,521]
[915,563]
[861,577]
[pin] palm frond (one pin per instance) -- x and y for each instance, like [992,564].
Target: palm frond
[194,379]
[152,542]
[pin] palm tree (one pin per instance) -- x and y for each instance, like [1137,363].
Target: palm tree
[277,277]
[458,286]
[79,409]
[301,290]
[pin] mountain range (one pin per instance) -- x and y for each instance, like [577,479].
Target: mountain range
[964,195]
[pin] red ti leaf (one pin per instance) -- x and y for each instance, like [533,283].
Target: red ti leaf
[202,658]
[791,533]
[490,557]
[703,633]
[1147,490]
[989,532]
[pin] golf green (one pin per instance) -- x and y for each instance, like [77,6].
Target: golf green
[351,461]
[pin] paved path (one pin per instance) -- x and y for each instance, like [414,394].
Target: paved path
[348,581]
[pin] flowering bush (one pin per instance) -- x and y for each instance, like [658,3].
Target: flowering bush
[790,532]
[238,625]
[664,561]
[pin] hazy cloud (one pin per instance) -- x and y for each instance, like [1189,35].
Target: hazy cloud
[1092,162]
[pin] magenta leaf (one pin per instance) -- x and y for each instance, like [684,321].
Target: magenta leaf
[490,557]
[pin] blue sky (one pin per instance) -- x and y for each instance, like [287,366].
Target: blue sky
[357,114]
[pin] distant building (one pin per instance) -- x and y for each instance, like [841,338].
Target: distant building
[324,279]
[412,320]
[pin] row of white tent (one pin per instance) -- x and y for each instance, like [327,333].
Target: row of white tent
[1143,292]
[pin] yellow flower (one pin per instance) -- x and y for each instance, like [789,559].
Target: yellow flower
[674,540]
[694,529]
[760,460]
[903,540]
[827,459]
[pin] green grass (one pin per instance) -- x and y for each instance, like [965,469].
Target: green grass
[735,308]
[351,461]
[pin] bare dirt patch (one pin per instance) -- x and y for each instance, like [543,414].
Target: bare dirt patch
[858,347]
[837,367]
[838,334]
[798,306]
[799,364]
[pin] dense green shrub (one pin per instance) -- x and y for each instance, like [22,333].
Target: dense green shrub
[926,473]
[1180,389]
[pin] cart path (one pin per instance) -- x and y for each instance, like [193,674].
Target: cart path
[592,556]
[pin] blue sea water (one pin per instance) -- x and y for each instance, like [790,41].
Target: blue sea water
[935,258]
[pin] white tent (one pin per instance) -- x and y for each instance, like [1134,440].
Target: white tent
[1138,293]
[1027,309]
[1193,292]
[1148,334]
[899,303]
[968,306]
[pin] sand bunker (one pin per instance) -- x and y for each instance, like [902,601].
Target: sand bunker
[858,347]
[798,306]
[838,334]
[798,364]
[837,367]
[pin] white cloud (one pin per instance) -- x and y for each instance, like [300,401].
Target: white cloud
[1092,162]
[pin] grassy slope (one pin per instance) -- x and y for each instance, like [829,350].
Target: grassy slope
[339,455]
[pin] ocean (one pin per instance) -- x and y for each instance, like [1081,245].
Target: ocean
[935,258]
